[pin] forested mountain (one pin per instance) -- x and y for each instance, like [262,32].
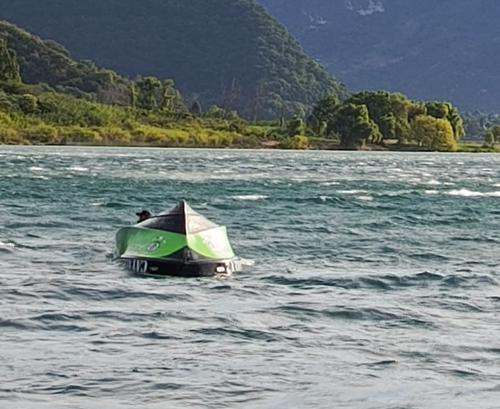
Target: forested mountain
[48,62]
[226,52]
[446,49]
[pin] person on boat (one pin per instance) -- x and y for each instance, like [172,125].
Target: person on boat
[143,215]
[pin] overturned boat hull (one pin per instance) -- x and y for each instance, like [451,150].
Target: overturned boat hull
[177,243]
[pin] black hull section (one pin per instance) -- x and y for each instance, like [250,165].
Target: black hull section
[178,268]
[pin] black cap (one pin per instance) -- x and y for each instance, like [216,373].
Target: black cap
[143,213]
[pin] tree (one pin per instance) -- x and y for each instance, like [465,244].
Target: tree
[323,113]
[388,110]
[434,133]
[387,125]
[438,110]
[492,136]
[445,110]
[456,122]
[416,109]
[196,108]
[147,95]
[318,127]
[489,139]
[169,95]
[496,131]
[9,68]
[296,126]
[27,103]
[133,95]
[354,126]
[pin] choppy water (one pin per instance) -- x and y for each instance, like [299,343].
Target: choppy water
[376,282]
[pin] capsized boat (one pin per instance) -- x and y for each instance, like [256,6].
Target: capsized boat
[180,242]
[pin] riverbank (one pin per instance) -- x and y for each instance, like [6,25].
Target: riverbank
[318,144]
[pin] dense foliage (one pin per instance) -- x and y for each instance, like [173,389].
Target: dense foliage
[226,52]
[375,117]
[9,68]
[35,115]
[153,112]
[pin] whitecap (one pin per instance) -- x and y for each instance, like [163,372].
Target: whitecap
[465,193]
[78,169]
[10,245]
[37,169]
[433,182]
[250,197]
[471,193]
[365,198]
[431,192]
[351,192]
[329,183]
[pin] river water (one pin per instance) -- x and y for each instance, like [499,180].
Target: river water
[375,284]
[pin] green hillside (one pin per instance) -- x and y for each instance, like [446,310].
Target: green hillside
[64,101]
[47,62]
[226,52]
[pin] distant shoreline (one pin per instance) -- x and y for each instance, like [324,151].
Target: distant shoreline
[466,147]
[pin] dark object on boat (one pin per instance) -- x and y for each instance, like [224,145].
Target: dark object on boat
[177,243]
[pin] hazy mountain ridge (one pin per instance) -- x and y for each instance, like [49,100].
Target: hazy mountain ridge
[429,50]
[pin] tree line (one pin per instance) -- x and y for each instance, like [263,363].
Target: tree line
[379,117]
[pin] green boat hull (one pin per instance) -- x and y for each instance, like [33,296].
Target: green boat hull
[196,248]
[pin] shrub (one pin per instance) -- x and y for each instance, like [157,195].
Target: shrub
[5,120]
[41,134]
[296,142]
[115,135]
[10,136]
[77,134]
[27,103]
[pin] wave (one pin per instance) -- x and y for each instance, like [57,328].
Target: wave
[433,182]
[463,193]
[250,335]
[78,169]
[387,282]
[351,192]
[471,193]
[251,198]
[365,198]
[401,318]
[7,244]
